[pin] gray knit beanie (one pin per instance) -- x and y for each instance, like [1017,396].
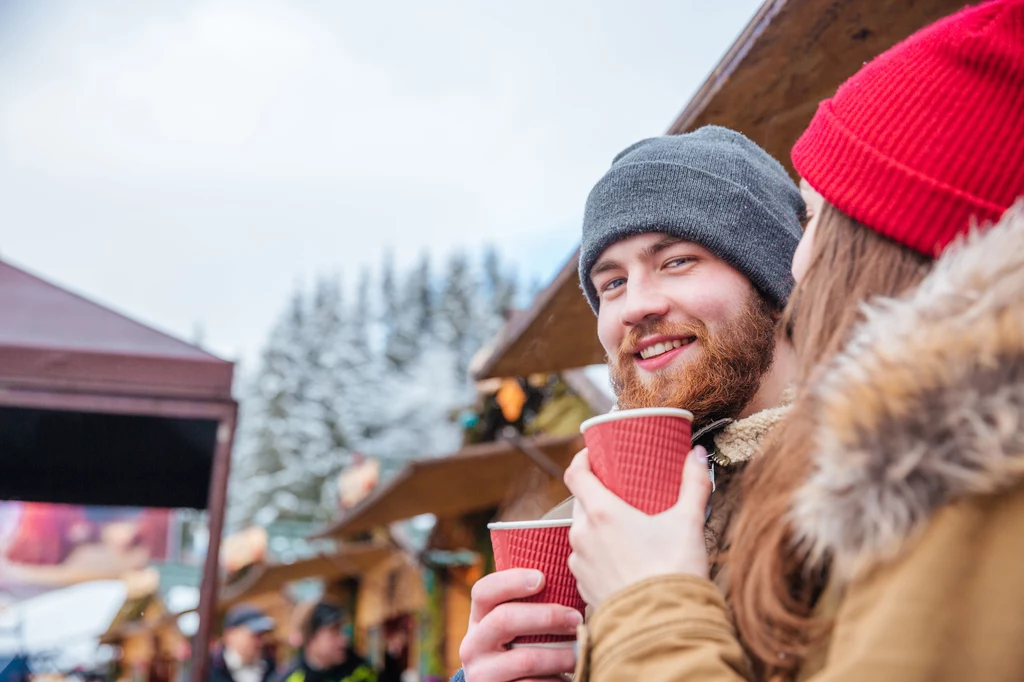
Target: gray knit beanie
[713,187]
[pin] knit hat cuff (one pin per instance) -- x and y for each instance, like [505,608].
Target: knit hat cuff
[877,190]
[696,206]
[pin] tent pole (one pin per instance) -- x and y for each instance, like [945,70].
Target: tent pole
[216,508]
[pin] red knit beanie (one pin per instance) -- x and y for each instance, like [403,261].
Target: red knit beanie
[930,134]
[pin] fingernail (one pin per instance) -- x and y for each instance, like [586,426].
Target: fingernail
[536,578]
[573,620]
[701,454]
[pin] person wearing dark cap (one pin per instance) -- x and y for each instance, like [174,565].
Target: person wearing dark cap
[241,658]
[685,260]
[326,654]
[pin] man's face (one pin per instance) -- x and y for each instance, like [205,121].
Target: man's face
[328,645]
[244,642]
[681,327]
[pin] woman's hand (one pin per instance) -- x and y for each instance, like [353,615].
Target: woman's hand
[615,545]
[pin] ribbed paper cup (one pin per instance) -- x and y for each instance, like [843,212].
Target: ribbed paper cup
[543,546]
[639,454]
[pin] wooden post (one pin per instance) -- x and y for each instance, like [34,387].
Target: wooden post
[536,455]
[216,507]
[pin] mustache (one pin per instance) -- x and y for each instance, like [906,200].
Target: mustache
[658,328]
[717,382]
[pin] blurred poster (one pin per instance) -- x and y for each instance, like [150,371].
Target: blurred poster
[244,548]
[46,546]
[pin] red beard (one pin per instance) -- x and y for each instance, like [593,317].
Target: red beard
[719,382]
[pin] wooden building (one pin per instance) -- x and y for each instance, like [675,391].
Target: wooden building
[517,478]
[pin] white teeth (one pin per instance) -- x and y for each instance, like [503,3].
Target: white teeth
[659,348]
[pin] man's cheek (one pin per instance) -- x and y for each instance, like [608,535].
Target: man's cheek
[719,302]
[610,336]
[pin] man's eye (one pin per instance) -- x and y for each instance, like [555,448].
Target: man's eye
[613,284]
[677,262]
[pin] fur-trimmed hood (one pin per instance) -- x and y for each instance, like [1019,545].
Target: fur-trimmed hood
[925,405]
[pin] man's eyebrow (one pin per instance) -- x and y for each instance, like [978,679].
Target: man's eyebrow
[604,266]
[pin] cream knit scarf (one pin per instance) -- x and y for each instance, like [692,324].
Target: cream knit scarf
[741,439]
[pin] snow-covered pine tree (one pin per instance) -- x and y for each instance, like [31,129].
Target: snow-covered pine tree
[364,361]
[399,324]
[383,375]
[458,324]
[501,291]
[267,443]
[419,296]
[330,445]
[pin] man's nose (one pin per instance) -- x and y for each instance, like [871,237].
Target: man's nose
[644,302]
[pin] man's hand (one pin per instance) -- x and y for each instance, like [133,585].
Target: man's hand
[494,621]
[615,545]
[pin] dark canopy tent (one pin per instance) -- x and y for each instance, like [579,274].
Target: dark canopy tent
[98,409]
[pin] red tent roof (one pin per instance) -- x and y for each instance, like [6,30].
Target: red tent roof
[96,408]
[52,339]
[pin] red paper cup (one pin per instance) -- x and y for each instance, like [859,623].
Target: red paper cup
[543,546]
[639,454]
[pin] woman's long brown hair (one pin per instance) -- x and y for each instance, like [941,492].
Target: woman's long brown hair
[772,587]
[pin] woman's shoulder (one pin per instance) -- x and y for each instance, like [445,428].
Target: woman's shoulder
[922,408]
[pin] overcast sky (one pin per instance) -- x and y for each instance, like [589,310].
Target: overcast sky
[188,162]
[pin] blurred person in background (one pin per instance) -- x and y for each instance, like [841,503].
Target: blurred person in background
[326,654]
[241,656]
[396,651]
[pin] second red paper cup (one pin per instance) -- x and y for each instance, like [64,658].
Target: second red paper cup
[639,454]
[543,546]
